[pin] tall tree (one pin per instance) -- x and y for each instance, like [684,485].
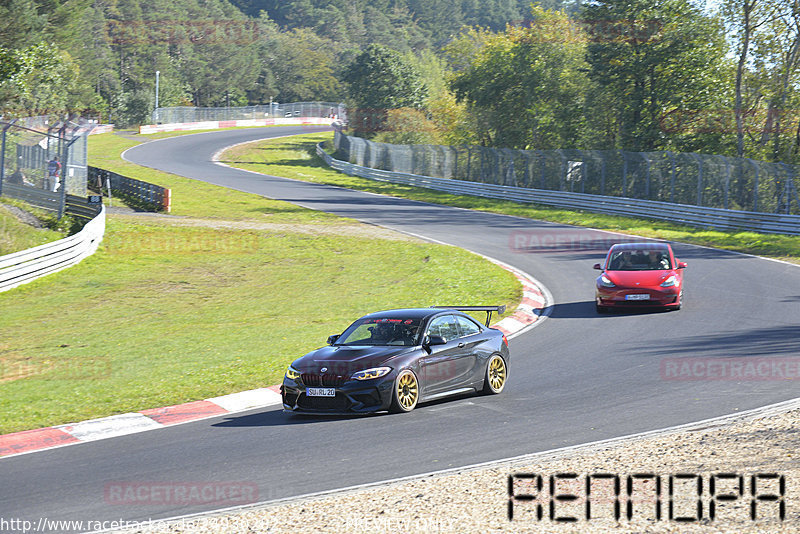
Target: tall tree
[21,24]
[302,63]
[745,18]
[527,85]
[652,57]
[40,79]
[379,80]
[776,65]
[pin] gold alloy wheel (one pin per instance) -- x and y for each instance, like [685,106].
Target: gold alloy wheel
[496,374]
[406,392]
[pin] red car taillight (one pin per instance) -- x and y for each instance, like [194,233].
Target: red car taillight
[505,340]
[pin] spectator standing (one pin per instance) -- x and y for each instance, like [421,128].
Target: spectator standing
[53,174]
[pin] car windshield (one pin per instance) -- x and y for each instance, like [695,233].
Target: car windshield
[381,331]
[639,260]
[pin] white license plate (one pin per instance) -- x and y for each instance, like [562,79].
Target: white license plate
[320,392]
[637,297]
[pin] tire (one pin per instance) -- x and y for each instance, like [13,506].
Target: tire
[601,309]
[680,301]
[496,375]
[405,393]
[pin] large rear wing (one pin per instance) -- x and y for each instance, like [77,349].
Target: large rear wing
[487,309]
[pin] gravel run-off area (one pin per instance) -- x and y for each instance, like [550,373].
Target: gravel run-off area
[764,444]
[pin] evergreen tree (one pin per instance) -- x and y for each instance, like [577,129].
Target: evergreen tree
[379,80]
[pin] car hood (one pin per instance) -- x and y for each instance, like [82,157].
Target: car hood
[638,278]
[349,359]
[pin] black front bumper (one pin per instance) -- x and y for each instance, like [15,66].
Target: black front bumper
[351,397]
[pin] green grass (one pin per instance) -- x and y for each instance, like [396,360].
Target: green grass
[16,235]
[171,309]
[196,198]
[295,157]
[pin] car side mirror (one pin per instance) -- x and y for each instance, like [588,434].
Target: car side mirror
[430,341]
[598,267]
[682,265]
[332,339]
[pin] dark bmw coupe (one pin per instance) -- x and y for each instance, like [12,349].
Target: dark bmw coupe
[393,360]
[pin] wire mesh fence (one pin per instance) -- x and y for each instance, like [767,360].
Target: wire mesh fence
[273,110]
[682,178]
[44,158]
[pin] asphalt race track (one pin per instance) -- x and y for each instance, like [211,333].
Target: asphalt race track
[577,377]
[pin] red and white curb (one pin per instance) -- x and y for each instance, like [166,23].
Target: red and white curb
[241,123]
[531,309]
[130,423]
[528,314]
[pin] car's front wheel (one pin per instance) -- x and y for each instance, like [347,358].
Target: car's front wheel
[406,392]
[680,301]
[496,375]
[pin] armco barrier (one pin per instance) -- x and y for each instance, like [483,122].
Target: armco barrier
[23,267]
[679,213]
[141,194]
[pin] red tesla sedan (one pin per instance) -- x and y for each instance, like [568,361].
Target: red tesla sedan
[640,274]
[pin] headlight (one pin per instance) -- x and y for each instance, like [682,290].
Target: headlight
[292,373]
[606,281]
[369,374]
[670,282]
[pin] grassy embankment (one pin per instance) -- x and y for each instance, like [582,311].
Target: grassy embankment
[16,235]
[174,309]
[280,158]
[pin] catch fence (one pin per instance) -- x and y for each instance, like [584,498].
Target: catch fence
[43,160]
[678,178]
[274,110]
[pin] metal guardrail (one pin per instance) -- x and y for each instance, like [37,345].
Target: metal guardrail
[680,213]
[141,194]
[23,267]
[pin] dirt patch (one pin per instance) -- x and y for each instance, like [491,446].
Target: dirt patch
[23,216]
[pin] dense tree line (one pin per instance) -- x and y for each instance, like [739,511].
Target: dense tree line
[101,55]
[640,75]
[603,74]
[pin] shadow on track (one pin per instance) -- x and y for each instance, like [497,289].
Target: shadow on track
[281,418]
[753,342]
[586,310]
[278,417]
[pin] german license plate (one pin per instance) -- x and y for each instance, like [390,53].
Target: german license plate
[320,392]
[637,297]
